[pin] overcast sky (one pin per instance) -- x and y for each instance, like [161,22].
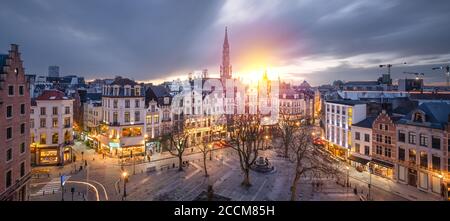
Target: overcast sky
[162,39]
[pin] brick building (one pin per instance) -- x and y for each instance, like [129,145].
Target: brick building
[15,171]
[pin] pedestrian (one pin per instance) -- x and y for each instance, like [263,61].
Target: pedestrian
[355,191]
[85,163]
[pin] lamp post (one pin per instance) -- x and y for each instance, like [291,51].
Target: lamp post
[347,182]
[125,180]
[370,180]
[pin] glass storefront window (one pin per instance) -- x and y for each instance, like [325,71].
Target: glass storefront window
[131,132]
[48,156]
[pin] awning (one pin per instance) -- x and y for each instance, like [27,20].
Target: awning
[383,163]
[358,159]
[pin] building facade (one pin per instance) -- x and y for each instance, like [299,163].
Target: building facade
[123,128]
[15,171]
[384,145]
[360,152]
[340,115]
[51,128]
[423,148]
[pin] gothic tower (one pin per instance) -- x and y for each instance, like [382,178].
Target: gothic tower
[225,68]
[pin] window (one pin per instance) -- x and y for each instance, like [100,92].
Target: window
[423,159]
[11,90]
[379,138]
[55,122]
[67,110]
[436,143]
[9,110]
[8,155]
[8,178]
[153,108]
[55,138]
[32,123]
[448,145]
[387,139]
[127,103]
[115,117]
[366,137]
[8,133]
[42,110]
[22,169]
[42,123]
[21,90]
[136,103]
[379,150]
[412,138]
[418,117]
[55,110]
[138,92]
[367,150]
[22,147]
[357,135]
[448,164]
[114,103]
[43,138]
[423,140]
[381,126]
[387,152]
[22,109]
[401,136]
[22,128]
[436,162]
[127,117]
[357,147]
[386,127]
[66,122]
[137,116]
[401,154]
[412,156]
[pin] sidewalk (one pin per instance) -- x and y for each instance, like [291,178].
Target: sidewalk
[405,191]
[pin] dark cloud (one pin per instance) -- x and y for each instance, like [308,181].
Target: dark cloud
[153,39]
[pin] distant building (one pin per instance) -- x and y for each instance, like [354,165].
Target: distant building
[51,128]
[53,71]
[15,171]
[410,84]
[360,153]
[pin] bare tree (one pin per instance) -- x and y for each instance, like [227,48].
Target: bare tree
[205,149]
[308,159]
[287,126]
[247,137]
[178,142]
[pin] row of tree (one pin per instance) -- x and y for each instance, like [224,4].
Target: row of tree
[247,137]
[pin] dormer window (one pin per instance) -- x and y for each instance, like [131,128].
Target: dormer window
[166,100]
[418,117]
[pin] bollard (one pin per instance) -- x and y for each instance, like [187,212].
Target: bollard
[43,193]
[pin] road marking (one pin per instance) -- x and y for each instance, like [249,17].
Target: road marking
[195,172]
[53,185]
[103,187]
[70,181]
[259,190]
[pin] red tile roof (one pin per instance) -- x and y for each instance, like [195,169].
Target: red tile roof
[52,95]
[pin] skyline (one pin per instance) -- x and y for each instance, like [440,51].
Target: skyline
[163,40]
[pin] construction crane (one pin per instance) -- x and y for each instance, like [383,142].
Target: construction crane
[415,73]
[447,73]
[388,66]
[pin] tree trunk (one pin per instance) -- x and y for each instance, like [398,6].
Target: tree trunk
[246,181]
[180,162]
[294,187]
[204,165]
[286,148]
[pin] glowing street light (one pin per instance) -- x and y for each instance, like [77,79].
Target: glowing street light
[125,180]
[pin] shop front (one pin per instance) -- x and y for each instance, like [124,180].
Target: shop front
[124,152]
[48,156]
[382,168]
[359,162]
[152,147]
[338,151]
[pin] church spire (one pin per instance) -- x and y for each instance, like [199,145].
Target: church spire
[225,68]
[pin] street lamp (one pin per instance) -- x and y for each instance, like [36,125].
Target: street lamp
[347,182]
[125,180]
[370,180]
[442,186]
